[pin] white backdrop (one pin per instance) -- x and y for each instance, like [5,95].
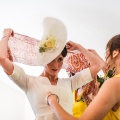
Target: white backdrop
[12,103]
[89,22]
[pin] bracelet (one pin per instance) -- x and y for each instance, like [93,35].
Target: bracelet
[50,95]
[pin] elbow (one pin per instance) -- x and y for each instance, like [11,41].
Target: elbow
[99,65]
[94,69]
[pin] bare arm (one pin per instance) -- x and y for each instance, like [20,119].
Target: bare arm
[96,63]
[105,100]
[104,68]
[5,63]
[58,110]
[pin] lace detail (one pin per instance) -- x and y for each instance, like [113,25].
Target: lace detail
[23,49]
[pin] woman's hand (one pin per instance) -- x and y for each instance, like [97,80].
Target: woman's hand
[8,32]
[50,97]
[4,44]
[71,46]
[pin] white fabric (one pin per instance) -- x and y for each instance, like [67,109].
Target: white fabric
[37,87]
[21,46]
[55,28]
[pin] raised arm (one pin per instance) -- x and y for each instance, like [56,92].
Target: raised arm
[95,63]
[95,53]
[5,63]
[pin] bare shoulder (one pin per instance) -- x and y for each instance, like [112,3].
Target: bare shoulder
[113,81]
[113,85]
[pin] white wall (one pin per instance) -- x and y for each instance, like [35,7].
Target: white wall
[12,103]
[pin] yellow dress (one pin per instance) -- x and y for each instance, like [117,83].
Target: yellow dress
[78,106]
[113,115]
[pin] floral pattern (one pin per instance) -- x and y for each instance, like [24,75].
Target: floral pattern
[48,45]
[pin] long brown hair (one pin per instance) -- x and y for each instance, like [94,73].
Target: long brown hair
[113,44]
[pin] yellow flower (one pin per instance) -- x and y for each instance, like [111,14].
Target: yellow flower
[47,45]
[50,43]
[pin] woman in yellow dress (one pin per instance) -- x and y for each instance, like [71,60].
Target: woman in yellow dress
[106,104]
[82,97]
[79,105]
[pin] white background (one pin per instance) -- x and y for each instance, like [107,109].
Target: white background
[89,22]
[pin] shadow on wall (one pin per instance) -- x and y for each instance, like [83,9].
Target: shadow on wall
[12,103]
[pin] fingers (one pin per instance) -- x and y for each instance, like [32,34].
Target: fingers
[70,46]
[93,51]
[51,97]
[8,32]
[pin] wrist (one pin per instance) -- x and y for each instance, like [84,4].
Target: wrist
[5,36]
[53,102]
[78,46]
[51,99]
